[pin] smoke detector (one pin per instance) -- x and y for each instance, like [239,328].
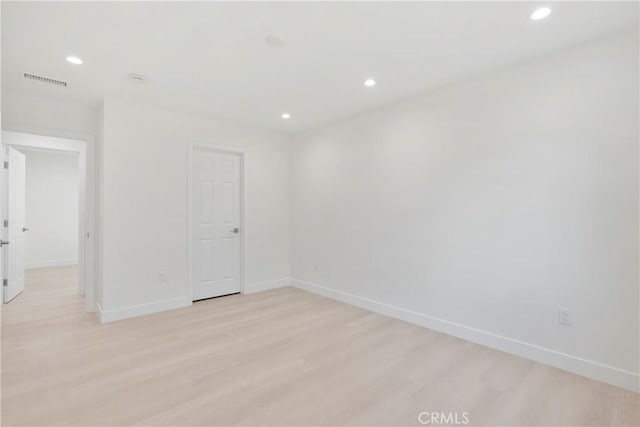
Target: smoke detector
[137,77]
[47,80]
[274,41]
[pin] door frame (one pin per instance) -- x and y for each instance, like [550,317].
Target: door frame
[84,145]
[190,225]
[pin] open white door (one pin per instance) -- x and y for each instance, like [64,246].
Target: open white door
[3,206]
[216,221]
[14,251]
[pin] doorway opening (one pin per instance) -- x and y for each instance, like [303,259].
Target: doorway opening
[46,217]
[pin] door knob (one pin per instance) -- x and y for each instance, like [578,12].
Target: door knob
[25,228]
[3,242]
[235,230]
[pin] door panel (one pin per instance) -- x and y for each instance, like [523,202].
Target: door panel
[15,233]
[206,196]
[216,213]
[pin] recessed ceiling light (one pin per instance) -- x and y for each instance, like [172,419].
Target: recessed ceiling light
[540,13]
[74,60]
[369,82]
[286,116]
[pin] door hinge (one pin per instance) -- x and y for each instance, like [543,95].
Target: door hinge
[5,223]
[6,165]
[5,282]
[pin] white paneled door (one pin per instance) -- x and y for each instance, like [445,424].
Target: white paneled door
[215,214]
[3,205]
[15,214]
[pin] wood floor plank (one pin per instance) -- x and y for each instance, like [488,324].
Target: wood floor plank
[281,357]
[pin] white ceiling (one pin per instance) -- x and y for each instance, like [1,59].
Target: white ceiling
[211,58]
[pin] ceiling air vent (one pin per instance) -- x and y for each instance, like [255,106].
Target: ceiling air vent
[45,80]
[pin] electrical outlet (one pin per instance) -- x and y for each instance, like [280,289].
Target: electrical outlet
[563,316]
[163,277]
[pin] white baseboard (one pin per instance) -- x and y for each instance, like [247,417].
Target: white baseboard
[265,286]
[54,263]
[107,316]
[587,368]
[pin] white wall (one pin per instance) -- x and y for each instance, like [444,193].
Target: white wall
[144,173]
[59,117]
[489,203]
[52,188]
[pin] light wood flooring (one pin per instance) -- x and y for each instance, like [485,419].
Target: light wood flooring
[281,357]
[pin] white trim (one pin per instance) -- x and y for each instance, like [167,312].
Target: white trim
[243,230]
[52,263]
[265,286]
[84,145]
[567,362]
[107,316]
